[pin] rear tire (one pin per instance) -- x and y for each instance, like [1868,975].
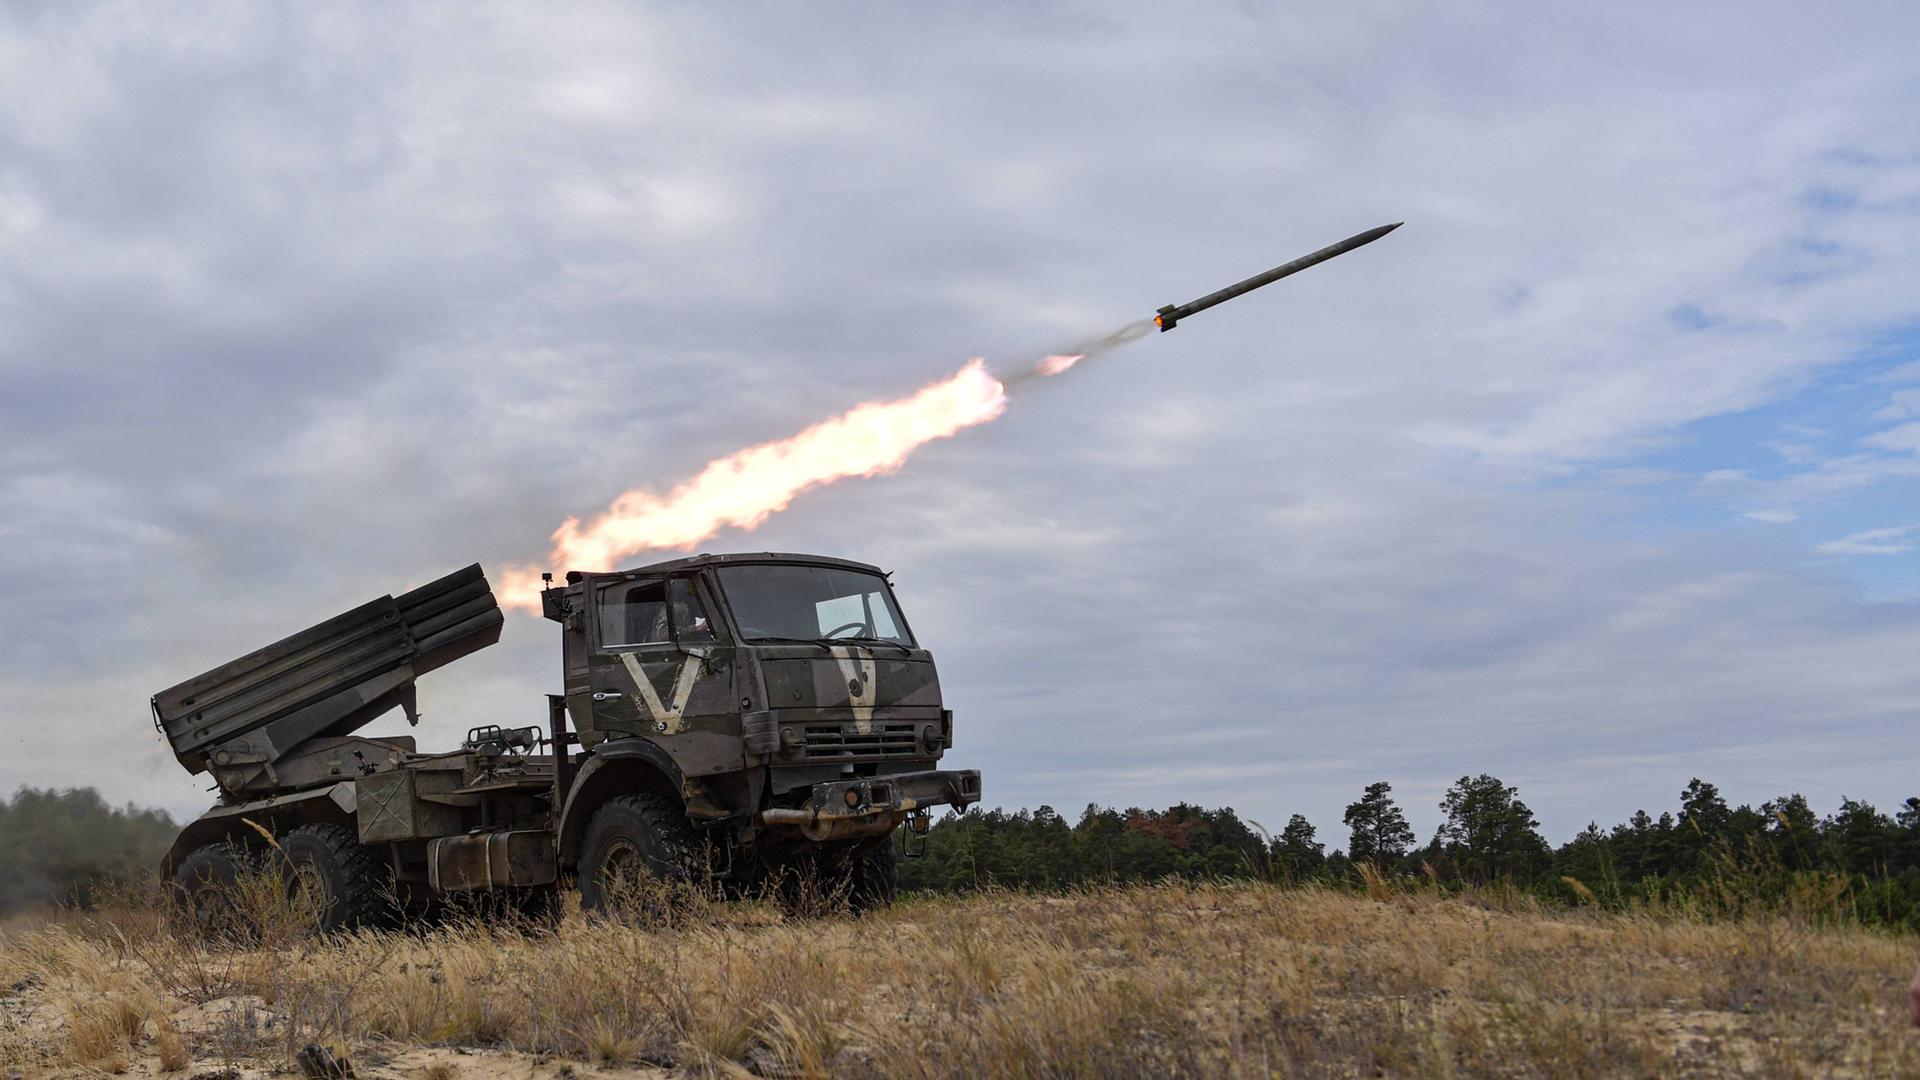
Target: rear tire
[203,889]
[639,850]
[329,863]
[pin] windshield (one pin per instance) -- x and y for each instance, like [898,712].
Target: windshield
[812,602]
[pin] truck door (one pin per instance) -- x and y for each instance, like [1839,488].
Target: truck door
[575,649]
[663,670]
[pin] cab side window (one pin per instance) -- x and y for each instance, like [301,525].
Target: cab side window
[690,625]
[633,615]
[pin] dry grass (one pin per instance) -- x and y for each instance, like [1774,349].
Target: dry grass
[1177,980]
[169,1047]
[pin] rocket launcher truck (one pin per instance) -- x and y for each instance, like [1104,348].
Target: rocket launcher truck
[739,722]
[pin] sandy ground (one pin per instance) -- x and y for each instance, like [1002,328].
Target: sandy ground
[227,1033]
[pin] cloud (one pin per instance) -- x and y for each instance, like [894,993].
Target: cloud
[1889,541]
[1905,437]
[300,309]
[1905,404]
[1771,517]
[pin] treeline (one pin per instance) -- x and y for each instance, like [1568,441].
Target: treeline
[1042,850]
[58,846]
[1706,854]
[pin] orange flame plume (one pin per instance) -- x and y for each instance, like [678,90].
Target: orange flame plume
[747,486]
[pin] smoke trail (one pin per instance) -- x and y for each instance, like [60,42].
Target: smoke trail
[746,487]
[1063,361]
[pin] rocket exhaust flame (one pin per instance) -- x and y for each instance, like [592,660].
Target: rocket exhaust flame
[744,488]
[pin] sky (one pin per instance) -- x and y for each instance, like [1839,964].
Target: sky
[1601,474]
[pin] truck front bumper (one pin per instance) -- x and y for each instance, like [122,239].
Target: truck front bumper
[874,806]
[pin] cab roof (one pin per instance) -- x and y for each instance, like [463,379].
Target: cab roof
[703,560]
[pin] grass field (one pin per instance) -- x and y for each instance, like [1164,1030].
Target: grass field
[1176,980]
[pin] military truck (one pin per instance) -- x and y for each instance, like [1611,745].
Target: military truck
[737,719]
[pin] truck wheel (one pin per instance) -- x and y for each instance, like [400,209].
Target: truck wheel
[638,848]
[876,878]
[329,864]
[203,888]
[807,886]
[816,884]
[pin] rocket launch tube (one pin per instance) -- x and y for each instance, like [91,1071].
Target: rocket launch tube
[1169,316]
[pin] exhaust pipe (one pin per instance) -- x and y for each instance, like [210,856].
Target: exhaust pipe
[821,829]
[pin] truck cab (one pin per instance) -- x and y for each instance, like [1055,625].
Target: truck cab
[781,699]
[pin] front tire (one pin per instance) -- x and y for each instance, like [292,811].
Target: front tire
[836,880]
[638,849]
[329,866]
[876,878]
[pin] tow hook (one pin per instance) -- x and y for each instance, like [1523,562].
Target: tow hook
[919,824]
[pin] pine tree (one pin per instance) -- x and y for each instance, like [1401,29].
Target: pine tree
[1297,854]
[1381,835]
[1489,833]
[1704,821]
[1589,860]
[1859,838]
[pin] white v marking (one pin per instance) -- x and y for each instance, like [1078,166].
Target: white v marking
[666,721]
[856,666]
